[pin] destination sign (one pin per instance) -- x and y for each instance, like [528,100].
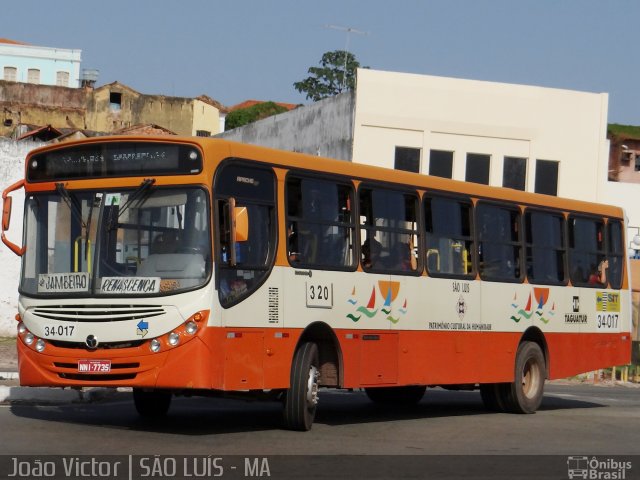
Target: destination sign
[110,159]
[130,285]
[63,282]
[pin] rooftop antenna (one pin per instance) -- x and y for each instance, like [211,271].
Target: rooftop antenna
[349,31]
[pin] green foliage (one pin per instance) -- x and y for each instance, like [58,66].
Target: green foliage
[251,114]
[623,131]
[336,74]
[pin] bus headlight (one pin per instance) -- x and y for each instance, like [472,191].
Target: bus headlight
[40,345]
[174,338]
[191,327]
[21,328]
[29,338]
[154,346]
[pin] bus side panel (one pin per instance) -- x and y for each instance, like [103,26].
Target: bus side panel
[256,358]
[572,354]
[426,357]
[446,358]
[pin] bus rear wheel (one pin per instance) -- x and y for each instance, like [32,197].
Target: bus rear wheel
[301,399]
[524,395]
[151,403]
[407,395]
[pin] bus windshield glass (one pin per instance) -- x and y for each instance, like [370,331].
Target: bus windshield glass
[142,241]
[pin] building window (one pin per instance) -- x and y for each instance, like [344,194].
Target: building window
[514,173]
[547,177]
[203,133]
[441,164]
[33,76]
[115,100]
[478,168]
[11,74]
[407,159]
[62,79]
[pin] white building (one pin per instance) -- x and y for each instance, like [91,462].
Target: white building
[20,62]
[532,138]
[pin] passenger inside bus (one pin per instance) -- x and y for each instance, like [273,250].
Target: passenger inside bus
[292,244]
[599,276]
[371,249]
[402,257]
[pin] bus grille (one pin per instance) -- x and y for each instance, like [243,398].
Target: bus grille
[98,313]
[101,346]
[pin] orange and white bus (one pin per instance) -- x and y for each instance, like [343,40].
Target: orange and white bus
[199,266]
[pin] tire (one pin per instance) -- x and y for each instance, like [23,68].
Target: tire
[494,396]
[524,395]
[408,395]
[301,399]
[151,404]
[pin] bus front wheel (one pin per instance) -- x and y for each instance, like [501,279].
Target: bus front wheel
[151,404]
[525,393]
[301,398]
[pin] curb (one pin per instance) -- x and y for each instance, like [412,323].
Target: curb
[54,395]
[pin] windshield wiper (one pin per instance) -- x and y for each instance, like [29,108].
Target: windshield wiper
[140,193]
[71,202]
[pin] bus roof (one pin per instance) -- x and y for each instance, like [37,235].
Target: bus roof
[220,149]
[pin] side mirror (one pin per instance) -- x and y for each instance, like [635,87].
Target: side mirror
[239,218]
[6,217]
[6,213]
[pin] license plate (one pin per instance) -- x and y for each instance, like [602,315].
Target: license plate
[94,366]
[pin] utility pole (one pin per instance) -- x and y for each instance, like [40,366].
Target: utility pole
[349,31]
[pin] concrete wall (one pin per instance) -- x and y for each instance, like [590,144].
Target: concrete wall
[48,60]
[12,155]
[323,128]
[205,117]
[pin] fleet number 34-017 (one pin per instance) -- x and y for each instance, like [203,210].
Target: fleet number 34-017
[58,330]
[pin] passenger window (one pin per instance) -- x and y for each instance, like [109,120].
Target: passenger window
[388,230]
[587,259]
[449,240]
[615,253]
[545,247]
[499,246]
[320,224]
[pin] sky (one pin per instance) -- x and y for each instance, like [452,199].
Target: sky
[236,50]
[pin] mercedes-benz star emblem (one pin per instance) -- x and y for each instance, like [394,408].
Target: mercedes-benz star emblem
[91,341]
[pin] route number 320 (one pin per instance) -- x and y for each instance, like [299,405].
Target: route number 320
[319,295]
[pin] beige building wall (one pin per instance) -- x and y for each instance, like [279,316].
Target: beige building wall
[468,116]
[183,116]
[206,118]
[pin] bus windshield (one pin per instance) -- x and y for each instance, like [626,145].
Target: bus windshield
[142,241]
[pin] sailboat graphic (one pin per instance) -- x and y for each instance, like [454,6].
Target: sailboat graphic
[370,310]
[353,300]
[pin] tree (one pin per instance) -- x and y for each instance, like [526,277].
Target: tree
[244,116]
[336,74]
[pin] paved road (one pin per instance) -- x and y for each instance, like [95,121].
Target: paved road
[573,419]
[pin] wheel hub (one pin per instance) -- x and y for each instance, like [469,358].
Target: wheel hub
[312,387]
